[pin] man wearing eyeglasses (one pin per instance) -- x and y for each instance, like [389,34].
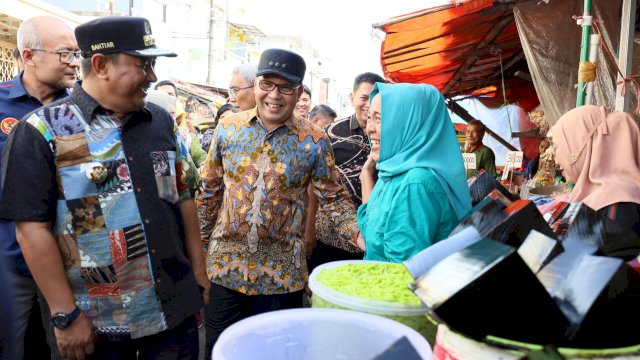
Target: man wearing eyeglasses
[98,186]
[252,207]
[48,51]
[241,93]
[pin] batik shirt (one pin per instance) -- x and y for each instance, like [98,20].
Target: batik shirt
[351,149]
[253,205]
[121,238]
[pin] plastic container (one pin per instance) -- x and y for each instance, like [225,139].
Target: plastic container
[451,345]
[312,334]
[412,315]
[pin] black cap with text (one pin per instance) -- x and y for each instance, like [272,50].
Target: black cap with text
[118,34]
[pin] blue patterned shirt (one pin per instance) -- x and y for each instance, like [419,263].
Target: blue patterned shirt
[121,235]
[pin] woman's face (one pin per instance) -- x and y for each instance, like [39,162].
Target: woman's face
[374,126]
[563,161]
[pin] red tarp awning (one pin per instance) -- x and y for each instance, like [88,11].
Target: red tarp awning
[457,49]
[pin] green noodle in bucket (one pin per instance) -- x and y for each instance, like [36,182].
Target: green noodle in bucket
[375,287]
[381,282]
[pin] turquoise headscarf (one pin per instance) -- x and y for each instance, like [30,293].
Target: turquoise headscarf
[417,133]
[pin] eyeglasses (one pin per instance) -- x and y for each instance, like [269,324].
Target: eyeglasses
[65,57]
[284,89]
[234,91]
[147,65]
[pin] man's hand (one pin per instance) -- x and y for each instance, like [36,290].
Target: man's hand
[360,242]
[367,181]
[76,341]
[368,169]
[308,246]
[203,281]
[468,148]
[194,247]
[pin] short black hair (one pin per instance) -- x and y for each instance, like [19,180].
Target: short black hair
[166,82]
[16,54]
[306,89]
[85,63]
[367,77]
[322,109]
[224,108]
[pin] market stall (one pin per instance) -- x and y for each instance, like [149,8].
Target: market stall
[200,101]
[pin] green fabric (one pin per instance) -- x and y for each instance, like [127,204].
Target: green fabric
[405,214]
[485,159]
[417,133]
[195,150]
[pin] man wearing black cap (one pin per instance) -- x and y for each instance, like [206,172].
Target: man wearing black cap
[252,208]
[103,210]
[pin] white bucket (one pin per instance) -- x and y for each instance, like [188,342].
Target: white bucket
[312,334]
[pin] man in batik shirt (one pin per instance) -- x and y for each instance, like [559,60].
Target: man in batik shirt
[97,184]
[252,209]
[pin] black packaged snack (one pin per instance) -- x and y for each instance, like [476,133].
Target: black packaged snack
[482,184]
[487,289]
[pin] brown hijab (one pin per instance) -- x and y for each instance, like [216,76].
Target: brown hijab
[603,150]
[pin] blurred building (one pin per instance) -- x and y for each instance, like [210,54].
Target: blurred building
[208,44]
[12,12]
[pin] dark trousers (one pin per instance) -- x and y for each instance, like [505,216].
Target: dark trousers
[227,307]
[323,253]
[179,343]
[30,314]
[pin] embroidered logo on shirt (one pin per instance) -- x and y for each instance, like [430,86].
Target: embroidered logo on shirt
[7,125]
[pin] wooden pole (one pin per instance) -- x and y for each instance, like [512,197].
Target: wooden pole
[486,42]
[625,58]
[593,57]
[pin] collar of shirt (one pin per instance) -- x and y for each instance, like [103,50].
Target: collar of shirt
[476,149]
[89,106]
[17,89]
[253,116]
[354,123]
[355,128]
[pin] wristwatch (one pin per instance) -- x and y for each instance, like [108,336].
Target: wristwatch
[63,320]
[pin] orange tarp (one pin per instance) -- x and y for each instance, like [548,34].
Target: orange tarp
[457,48]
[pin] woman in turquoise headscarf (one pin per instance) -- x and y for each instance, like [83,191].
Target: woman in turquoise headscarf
[421,193]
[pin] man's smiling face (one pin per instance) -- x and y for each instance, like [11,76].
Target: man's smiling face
[275,108]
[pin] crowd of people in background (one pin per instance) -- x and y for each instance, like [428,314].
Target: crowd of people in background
[122,222]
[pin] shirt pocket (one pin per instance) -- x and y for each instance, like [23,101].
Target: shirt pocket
[164,169]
